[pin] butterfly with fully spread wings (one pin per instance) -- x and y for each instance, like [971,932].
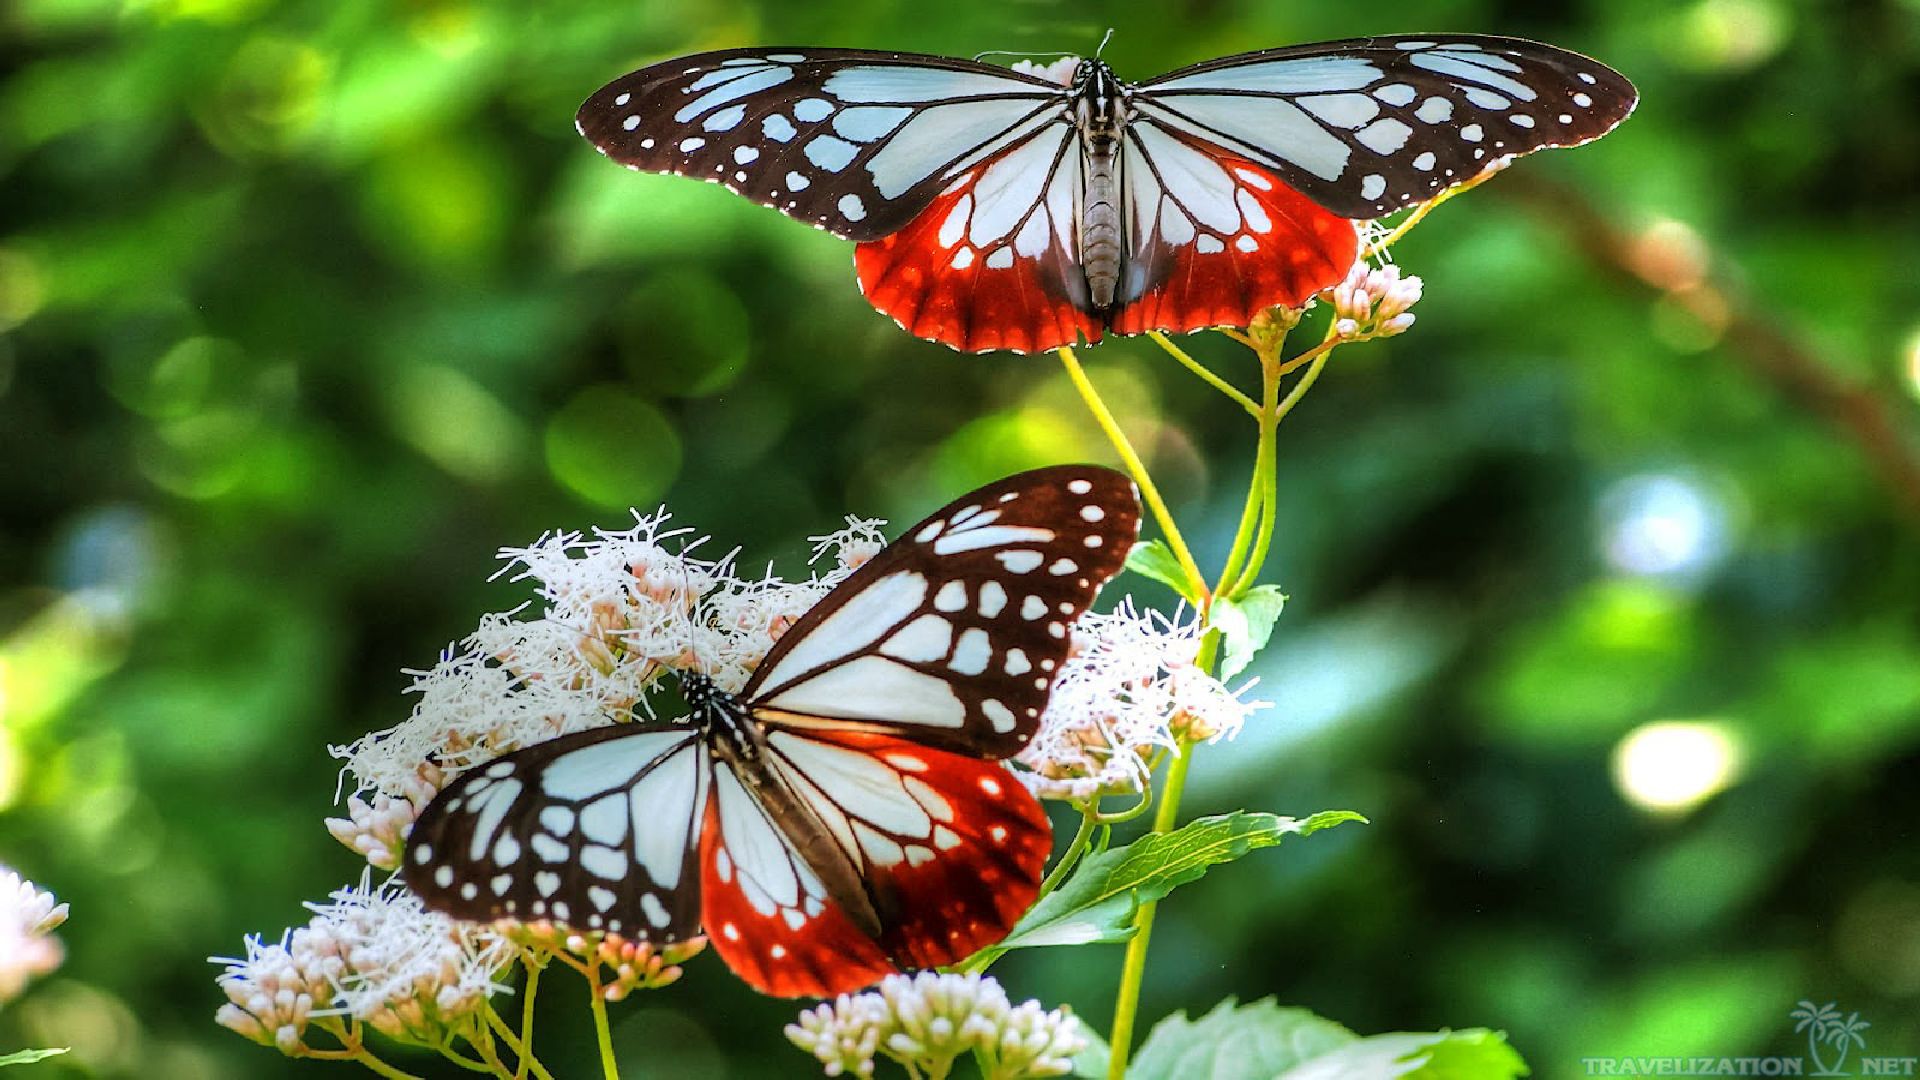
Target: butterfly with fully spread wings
[844,816]
[996,209]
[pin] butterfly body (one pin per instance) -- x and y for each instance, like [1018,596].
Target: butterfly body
[1009,209]
[1099,101]
[846,813]
[738,745]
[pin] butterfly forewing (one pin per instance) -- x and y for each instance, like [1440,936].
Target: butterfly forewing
[953,634]
[597,830]
[855,142]
[1371,125]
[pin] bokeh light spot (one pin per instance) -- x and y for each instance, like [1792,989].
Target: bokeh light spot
[1662,525]
[1672,766]
[455,421]
[612,448]
[1727,35]
[1913,364]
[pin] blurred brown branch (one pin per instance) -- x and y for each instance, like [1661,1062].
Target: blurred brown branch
[1679,269]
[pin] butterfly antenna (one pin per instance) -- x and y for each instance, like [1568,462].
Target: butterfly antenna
[1009,52]
[1108,36]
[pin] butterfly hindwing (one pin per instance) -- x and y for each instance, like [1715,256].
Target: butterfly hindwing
[1216,239]
[767,913]
[596,830]
[994,261]
[853,141]
[952,847]
[953,634]
[1369,126]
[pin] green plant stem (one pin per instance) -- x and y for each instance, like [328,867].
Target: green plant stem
[472,1065]
[374,1064]
[523,1046]
[1089,817]
[1260,492]
[1196,582]
[1134,967]
[1202,370]
[608,1067]
[1263,543]
[521,1049]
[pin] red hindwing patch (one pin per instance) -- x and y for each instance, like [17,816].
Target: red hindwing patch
[954,885]
[1021,290]
[1285,250]
[808,950]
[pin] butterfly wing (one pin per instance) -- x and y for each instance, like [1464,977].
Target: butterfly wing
[1215,237]
[767,912]
[952,635]
[994,261]
[855,142]
[952,847]
[1368,126]
[597,830]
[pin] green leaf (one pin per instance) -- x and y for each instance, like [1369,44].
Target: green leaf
[1477,1054]
[1245,623]
[1154,559]
[28,1057]
[1091,1063]
[1265,1041]
[1097,903]
[1250,1042]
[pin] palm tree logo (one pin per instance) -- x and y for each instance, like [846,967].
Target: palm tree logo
[1823,1024]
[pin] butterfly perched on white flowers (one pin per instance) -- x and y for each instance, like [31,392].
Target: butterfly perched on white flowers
[845,815]
[1027,209]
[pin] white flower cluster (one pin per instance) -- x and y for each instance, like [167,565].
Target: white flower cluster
[617,610]
[925,1021]
[1373,302]
[28,916]
[373,953]
[1130,686]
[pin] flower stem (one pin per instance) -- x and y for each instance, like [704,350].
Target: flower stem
[381,1068]
[1134,967]
[1104,417]
[1089,817]
[523,1046]
[1201,370]
[598,1003]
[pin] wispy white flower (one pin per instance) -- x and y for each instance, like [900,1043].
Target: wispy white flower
[374,953]
[271,995]
[615,612]
[1373,302]
[28,916]
[1130,686]
[925,1021]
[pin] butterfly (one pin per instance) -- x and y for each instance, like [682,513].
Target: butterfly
[1001,209]
[846,814]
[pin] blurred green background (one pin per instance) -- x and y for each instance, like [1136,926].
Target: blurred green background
[308,307]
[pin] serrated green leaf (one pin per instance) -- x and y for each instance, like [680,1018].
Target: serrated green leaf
[1245,623]
[28,1057]
[1248,1042]
[1476,1054]
[1097,903]
[1154,559]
